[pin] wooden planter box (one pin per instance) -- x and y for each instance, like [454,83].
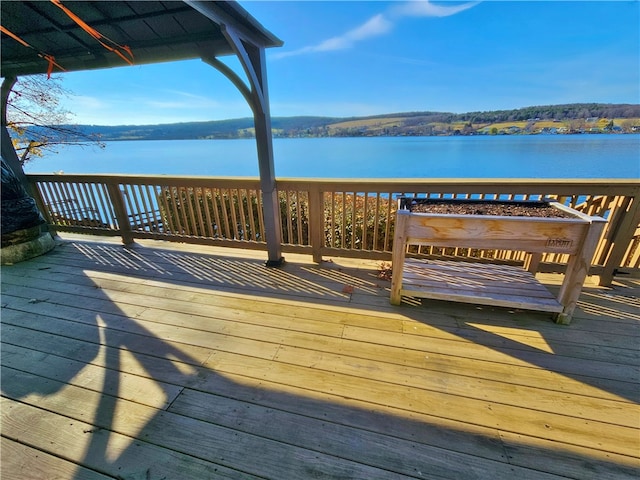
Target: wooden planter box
[575,234]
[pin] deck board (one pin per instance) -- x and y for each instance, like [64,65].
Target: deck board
[179,361]
[20,461]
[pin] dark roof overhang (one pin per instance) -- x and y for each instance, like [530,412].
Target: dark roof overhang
[154,31]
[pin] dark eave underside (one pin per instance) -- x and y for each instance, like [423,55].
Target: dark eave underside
[154,31]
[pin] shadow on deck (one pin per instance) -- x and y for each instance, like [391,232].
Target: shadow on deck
[170,362]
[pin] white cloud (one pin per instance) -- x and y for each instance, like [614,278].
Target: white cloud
[376,25]
[371,28]
[379,25]
[427,9]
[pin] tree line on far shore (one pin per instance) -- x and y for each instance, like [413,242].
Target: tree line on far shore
[571,118]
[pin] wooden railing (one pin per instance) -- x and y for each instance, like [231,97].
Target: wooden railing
[320,217]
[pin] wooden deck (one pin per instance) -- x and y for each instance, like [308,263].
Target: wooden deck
[164,361]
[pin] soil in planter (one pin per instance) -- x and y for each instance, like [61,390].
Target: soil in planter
[479,207]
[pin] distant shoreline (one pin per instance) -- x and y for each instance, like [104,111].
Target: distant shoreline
[246,137]
[554,119]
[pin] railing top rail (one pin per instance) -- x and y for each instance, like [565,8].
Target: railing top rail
[615,186]
[190,180]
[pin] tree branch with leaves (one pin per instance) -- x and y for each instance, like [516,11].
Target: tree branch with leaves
[36,120]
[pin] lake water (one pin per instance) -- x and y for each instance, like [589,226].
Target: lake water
[527,156]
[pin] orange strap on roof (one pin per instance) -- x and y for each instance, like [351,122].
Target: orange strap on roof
[14,36]
[97,35]
[47,57]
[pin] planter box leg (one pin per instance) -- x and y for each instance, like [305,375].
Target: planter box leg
[562,318]
[577,271]
[398,254]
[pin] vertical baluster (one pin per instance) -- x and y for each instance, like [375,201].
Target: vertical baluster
[145,211]
[333,219]
[387,230]
[188,196]
[150,205]
[90,202]
[184,209]
[316,221]
[289,227]
[206,194]
[99,212]
[234,216]
[136,213]
[300,239]
[365,221]
[605,205]
[604,211]
[216,214]
[66,202]
[175,203]
[354,220]
[63,201]
[199,202]
[225,214]
[76,205]
[87,201]
[344,220]
[260,214]
[103,197]
[243,218]
[165,193]
[251,214]
[376,222]
[48,199]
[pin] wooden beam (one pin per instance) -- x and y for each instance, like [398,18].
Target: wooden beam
[251,66]
[249,28]
[231,75]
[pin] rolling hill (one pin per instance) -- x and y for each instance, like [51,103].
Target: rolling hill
[571,118]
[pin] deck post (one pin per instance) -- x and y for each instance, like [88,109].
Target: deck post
[124,226]
[264,144]
[398,256]
[252,58]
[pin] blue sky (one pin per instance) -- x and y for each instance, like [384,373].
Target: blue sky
[343,58]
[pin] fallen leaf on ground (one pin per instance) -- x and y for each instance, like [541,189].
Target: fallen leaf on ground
[347,289]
